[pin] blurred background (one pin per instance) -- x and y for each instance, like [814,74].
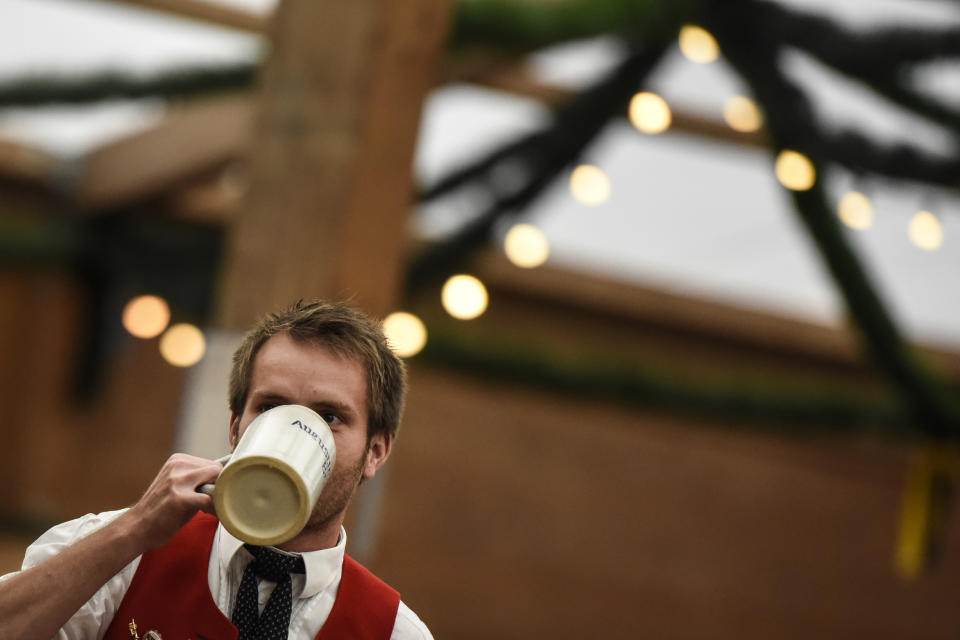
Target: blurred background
[675,281]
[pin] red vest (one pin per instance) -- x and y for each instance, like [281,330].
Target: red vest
[170,595]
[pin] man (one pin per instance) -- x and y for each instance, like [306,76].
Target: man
[154,566]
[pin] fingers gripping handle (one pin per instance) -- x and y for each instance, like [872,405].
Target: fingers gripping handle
[208,487]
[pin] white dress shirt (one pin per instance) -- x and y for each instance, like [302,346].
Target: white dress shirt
[314,591]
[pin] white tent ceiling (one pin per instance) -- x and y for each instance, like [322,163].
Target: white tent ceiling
[689,214]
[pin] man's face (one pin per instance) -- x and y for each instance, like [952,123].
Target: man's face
[286,371]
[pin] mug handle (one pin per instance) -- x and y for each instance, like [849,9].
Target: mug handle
[208,487]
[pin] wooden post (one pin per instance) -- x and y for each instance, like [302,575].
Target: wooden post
[331,159]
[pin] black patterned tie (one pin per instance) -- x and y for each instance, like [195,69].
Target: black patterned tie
[275,621]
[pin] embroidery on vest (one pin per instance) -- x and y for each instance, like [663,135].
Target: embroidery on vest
[149,635]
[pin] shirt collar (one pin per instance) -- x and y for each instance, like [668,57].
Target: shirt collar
[323,566]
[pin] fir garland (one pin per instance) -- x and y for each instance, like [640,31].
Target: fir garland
[753,53]
[36,241]
[744,403]
[882,60]
[517,27]
[501,25]
[39,90]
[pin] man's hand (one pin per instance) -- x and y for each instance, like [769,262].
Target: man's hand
[37,602]
[172,499]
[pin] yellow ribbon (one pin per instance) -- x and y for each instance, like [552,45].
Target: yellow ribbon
[927,498]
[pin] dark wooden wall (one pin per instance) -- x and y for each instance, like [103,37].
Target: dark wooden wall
[62,456]
[512,514]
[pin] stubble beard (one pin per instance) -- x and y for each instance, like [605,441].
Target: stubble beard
[336,496]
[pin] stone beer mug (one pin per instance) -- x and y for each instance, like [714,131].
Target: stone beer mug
[266,492]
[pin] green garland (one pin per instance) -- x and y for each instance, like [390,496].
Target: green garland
[39,90]
[881,60]
[754,53]
[38,241]
[739,402]
[517,26]
[501,25]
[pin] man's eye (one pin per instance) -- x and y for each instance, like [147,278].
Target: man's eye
[265,407]
[331,418]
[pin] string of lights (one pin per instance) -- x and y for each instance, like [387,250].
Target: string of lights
[536,160]
[552,152]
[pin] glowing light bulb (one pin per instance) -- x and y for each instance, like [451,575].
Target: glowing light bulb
[697,44]
[146,316]
[742,114]
[526,246]
[405,332]
[589,185]
[464,297]
[795,171]
[925,231]
[649,113]
[183,345]
[855,210]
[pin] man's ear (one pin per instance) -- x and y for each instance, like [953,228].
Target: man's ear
[377,454]
[234,433]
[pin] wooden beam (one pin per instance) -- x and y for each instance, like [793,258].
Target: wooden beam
[213,198]
[331,179]
[216,198]
[217,14]
[192,139]
[24,163]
